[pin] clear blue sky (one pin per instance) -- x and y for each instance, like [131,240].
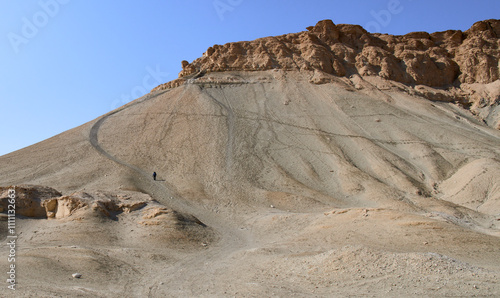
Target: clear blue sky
[66,62]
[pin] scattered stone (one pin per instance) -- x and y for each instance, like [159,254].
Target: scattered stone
[76,275]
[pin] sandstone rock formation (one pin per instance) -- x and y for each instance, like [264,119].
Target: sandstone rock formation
[440,60]
[101,203]
[29,199]
[44,202]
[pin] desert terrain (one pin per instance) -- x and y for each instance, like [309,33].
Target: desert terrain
[330,162]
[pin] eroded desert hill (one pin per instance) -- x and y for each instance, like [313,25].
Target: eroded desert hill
[289,181]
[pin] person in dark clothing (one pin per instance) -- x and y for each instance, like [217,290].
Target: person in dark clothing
[154,175]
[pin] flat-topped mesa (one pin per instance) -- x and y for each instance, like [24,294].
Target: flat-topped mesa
[438,60]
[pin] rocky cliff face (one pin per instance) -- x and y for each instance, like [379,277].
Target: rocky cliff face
[450,60]
[439,59]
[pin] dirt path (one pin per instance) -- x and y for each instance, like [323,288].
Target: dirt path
[231,237]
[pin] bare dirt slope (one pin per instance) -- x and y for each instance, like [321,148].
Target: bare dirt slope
[296,189]
[331,162]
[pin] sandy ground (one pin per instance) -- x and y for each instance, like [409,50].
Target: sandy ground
[354,187]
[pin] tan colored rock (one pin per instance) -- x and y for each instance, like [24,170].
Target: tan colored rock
[130,207]
[441,60]
[45,202]
[29,199]
[437,59]
[50,207]
[62,207]
[169,85]
[157,215]
[155,212]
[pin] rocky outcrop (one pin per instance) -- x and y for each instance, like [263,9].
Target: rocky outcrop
[108,205]
[437,60]
[28,199]
[44,202]
[442,60]
[41,202]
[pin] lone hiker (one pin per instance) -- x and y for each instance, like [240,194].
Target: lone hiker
[154,175]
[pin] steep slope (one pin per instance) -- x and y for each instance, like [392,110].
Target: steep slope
[463,65]
[282,182]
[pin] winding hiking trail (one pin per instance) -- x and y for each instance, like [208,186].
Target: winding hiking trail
[231,238]
[328,162]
